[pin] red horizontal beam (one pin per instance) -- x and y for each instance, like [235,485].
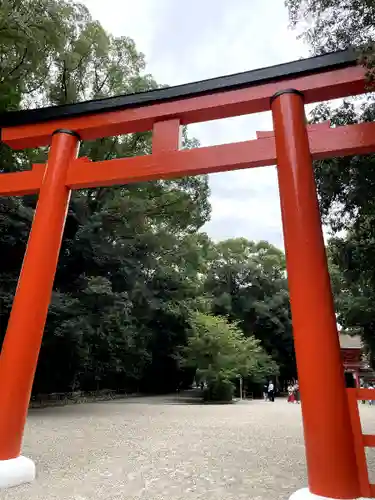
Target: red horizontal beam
[262,134]
[166,165]
[324,143]
[22,183]
[365,394]
[316,87]
[369,440]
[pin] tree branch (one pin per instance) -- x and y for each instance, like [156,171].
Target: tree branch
[19,63]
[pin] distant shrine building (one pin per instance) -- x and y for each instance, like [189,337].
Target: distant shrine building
[356,366]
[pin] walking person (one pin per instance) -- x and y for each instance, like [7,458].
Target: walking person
[271,392]
[290,390]
[371,402]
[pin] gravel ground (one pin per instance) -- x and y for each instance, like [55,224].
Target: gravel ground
[163,448]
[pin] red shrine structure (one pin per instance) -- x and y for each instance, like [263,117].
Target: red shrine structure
[354,359]
[334,442]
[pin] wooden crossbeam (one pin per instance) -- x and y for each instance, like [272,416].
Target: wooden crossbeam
[325,142]
[365,394]
[22,183]
[369,440]
[262,134]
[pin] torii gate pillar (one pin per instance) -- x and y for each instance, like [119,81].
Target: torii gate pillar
[19,355]
[330,453]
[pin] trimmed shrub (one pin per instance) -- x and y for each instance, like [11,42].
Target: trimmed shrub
[219,390]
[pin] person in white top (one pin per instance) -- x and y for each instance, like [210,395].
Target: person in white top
[371,402]
[291,398]
[271,392]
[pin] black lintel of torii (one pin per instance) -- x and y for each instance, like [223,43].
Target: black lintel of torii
[302,67]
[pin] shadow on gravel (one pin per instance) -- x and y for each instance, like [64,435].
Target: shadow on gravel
[186,398]
[192,397]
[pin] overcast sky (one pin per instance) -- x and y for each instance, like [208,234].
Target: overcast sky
[189,41]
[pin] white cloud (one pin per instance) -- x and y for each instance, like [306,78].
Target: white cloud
[199,39]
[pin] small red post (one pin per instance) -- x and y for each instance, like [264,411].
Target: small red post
[166,136]
[330,454]
[19,355]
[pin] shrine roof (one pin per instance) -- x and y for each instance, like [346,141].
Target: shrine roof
[350,341]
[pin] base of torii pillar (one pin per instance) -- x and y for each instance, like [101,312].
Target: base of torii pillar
[16,471]
[305,494]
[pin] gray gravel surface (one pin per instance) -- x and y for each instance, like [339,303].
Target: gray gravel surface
[163,448]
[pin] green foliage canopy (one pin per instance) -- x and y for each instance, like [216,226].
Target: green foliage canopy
[219,350]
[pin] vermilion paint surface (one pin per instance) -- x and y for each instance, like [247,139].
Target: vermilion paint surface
[19,355]
[330,451]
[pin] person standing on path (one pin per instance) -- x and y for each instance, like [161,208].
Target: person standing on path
[371,402]
[271,392]
[291,397]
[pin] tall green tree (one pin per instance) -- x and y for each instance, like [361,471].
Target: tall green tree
[220,352]
[330,25]
[248,283]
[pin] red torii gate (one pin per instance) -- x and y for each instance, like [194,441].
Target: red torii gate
[331,446]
